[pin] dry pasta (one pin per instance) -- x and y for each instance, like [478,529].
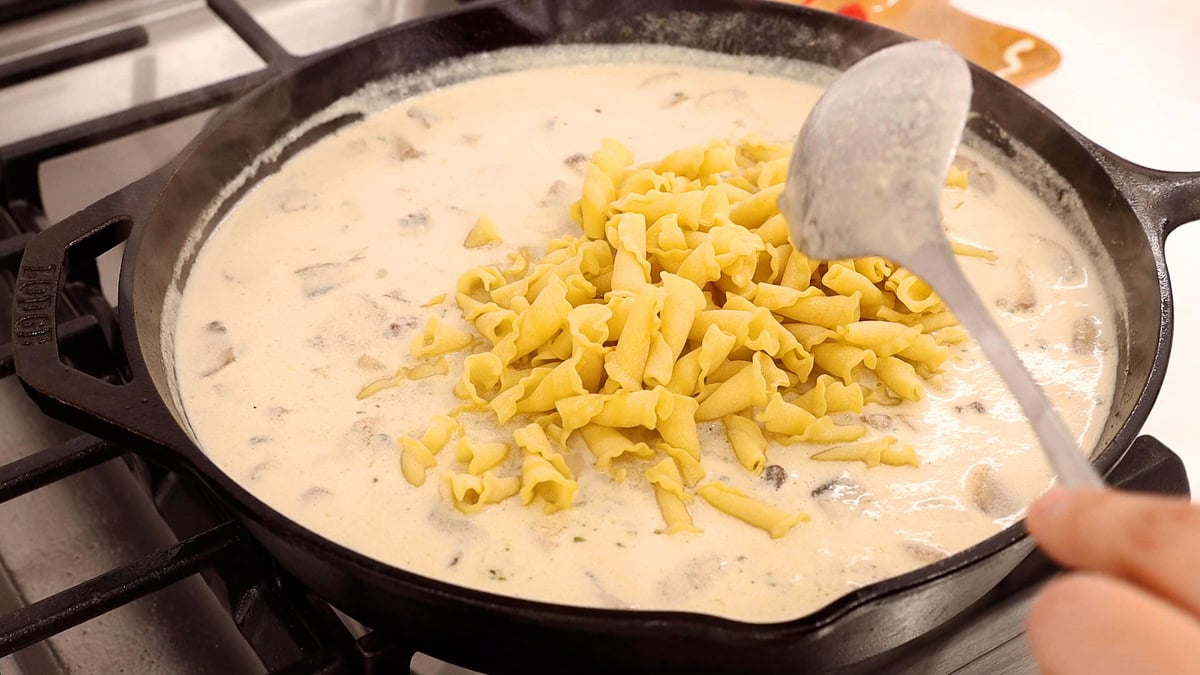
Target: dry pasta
[439,339]
[483,234]
[479,457]
[544,473]
[608,444]
[748,442]
[671,497]
[872,453]
[776,522]
[682,302]
[470,493]
[417,456]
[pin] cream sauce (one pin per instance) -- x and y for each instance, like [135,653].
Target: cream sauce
[313,285]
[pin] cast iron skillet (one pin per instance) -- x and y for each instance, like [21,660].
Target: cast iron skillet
[1132,208]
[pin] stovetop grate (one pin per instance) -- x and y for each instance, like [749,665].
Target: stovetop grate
[290,630]
[11,10]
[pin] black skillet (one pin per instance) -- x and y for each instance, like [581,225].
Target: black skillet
[1132,209]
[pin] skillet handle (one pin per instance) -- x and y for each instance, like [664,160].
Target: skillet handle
[1167,199]
[59,390]
[1150,466]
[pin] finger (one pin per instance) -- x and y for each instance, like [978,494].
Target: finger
[1151,541]
[1088,624]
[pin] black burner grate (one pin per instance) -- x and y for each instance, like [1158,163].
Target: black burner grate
[289,630]
[11,10]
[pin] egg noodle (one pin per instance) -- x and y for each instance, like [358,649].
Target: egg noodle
[683,302]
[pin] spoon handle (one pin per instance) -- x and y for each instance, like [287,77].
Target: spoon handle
[939,268]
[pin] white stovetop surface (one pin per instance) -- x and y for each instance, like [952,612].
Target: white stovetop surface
[1128,81]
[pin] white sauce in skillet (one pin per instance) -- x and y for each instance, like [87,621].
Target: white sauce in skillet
[330,260]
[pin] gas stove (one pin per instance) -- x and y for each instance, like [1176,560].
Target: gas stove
[111,564]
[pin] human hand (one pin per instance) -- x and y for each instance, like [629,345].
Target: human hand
[1132,603]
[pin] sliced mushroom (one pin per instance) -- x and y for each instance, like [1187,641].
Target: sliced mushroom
[414,220]
[1025,300]
[697,573]
[222,358]
[314,493]
[297,200]
[558,193]
[842,496]
[1086,337]
[923,552]
[1063,263]
[421,116]
[989,494]
[319,279]
[880,421]
[775,475]
[405,150]
[576,161]
[676,99]
[368,362]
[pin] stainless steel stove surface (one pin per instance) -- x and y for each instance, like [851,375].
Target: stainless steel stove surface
[191,592]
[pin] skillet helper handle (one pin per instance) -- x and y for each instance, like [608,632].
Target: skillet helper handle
[1150,466]
[1167,199]
[60,390]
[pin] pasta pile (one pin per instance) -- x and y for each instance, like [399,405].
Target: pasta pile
[682,303]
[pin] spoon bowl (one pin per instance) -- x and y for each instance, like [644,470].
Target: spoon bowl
[866,178]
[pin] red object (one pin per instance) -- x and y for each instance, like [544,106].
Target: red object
[855,10]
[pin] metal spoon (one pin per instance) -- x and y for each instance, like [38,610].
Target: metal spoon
[866,178]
